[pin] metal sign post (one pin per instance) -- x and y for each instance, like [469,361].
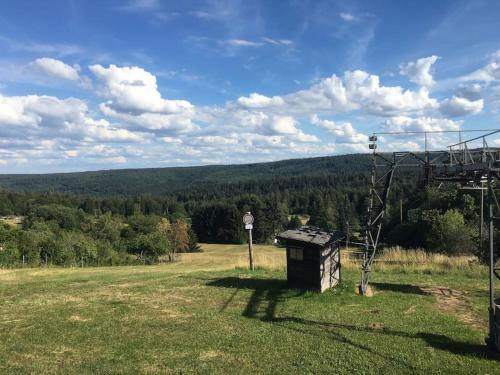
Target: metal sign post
[248,221]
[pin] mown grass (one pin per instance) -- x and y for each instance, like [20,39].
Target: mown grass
[206,314]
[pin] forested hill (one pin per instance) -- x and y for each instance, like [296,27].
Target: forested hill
[155,181]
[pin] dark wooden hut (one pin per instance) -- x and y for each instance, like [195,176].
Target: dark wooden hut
[312,258]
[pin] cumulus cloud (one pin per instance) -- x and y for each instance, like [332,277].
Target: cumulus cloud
[467,100]
[57,69]
[255,100]
[48,116]
[177,123]
[133,97]
[344,132]
[355,90]
[283,125]
[419,71]
[288,126]
[253,127]
[134,89]
[487,73]
[419,124]
[459,106]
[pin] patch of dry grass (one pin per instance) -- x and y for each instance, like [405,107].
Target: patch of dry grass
[415,259]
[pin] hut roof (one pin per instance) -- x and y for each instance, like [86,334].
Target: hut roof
[310,235]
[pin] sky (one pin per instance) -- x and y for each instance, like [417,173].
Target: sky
[92,85]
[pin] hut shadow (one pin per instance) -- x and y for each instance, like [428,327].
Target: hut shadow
[269,293]
[400,288]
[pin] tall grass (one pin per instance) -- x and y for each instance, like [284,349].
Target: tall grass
[395,258]
[265,260]
[412,259]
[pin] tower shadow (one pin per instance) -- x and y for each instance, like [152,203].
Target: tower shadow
[267,294]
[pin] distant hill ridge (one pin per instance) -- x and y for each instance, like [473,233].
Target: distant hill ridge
[183,179]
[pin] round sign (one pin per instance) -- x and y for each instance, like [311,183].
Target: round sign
[248,218]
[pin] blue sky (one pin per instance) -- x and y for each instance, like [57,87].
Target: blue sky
[88,85]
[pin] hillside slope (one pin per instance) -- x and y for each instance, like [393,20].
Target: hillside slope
[181,179]
[202,315]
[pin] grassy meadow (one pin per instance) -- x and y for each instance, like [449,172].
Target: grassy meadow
[208,314]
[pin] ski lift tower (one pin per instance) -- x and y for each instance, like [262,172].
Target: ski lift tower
[470,163]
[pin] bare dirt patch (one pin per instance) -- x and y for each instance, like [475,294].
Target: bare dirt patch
[376,326]
[210,354]
[452,301]
[78,318]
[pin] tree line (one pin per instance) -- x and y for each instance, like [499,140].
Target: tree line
[441,219]
[54,234]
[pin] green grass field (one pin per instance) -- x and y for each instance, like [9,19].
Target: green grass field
[203,315]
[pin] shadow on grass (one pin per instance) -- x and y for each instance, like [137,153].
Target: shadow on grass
[400,288]
[268,293]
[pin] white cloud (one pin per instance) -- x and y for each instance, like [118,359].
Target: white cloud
[114,160]
[470,92]
[241,43]
[48,116]
[457,106]
[344,132]
[488,73]
[278,42]
[178,123]
[152,129]
[133,97]
[171,140]
[287,126]
[255,100]
[102,130]
[467,100]
[71,153]
[134,89]
[419,124]
[348,17]
[358,90]
[283,125]
[419,71]
[57,69]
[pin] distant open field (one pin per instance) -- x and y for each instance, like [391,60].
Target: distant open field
[207,314]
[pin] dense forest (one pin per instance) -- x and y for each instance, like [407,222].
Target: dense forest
[130,216]
[156,181]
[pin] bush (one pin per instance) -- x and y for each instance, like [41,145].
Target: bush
[10,255]
[449,234]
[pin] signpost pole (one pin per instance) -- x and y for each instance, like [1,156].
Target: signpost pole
[248,221]
[250,249]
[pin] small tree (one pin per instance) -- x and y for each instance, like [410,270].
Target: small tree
[449,234]
[193,246]
[149,247]
[180,237]
[9,254]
